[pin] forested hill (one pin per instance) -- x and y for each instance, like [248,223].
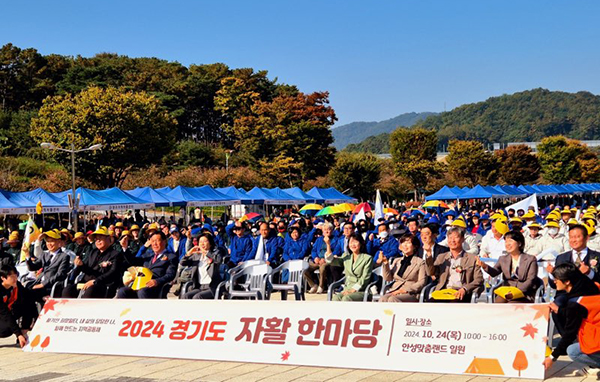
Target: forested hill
[355,132]
[526,116]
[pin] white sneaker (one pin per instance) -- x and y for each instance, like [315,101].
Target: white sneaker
[320,290]
[313,290]
[577,373]
[591,371]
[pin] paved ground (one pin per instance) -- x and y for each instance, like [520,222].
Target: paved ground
[16,365]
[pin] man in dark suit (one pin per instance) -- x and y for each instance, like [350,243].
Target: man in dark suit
[585,259]
[161,262]
[101,269]
[430,248]
[54,263]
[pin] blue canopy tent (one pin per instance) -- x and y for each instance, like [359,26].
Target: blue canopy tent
[330,195]
[282,195]
[444,193]
[515,192]
[298,193]
[30,199]
[236,193]
[272,197]
[9,208]
[150,195]
[457,190]
[109,199]
[212,197]
[496,191]
[477,192]
[200,197]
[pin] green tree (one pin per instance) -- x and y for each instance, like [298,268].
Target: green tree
[133,128]
[414,152]
[289,136]
[189,153]
[357,172]
[558,159]
[518,165]
[470,164]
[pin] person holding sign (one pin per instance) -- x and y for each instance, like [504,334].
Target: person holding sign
[581,314]
[407,272]
[357,267]
[457,272]
[161,262]
[519,271]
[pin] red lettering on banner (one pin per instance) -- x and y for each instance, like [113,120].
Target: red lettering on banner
[274,330]
[180,329]
[337,333]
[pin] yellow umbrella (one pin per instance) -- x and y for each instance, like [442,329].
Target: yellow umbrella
[435,203]
[345,207]
[312,207]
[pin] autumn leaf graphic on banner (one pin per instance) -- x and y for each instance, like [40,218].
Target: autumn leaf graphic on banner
[542,311]
[530,330]
[49,305]
[285,356]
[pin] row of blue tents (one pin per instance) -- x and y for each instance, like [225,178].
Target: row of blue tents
[146,197]
[506,192]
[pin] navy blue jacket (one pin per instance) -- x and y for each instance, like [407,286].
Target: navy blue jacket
[240,248]
[273,245]
[181,249]
[164,269]
[389,247]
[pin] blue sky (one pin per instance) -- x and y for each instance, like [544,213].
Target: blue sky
[377,59]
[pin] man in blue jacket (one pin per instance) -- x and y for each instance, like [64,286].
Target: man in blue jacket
[177,242]
[384,242]
[161,262]
[240,249]
[317,260]
[267,246]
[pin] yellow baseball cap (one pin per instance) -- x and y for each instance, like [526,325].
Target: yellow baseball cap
[102,231]
[54,234]
[501,226]
[529,215]
[458,223]
[552,224]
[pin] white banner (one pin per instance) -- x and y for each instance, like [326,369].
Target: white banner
[485,339]
[525,204]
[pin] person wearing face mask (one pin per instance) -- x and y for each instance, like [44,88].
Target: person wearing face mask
[363,228]
[553,239]
[384,244]
[533,239]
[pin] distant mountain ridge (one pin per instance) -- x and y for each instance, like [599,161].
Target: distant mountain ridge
[527,116]
[356,132]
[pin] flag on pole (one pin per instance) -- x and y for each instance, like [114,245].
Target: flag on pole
[32,233]
[359,216]
[378,209]
[39,208]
